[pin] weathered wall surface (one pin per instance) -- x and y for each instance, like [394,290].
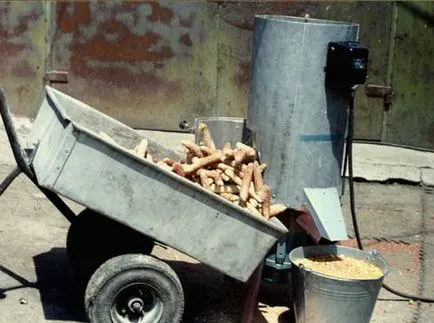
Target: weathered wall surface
[22,54]
[153,64]
[148,65]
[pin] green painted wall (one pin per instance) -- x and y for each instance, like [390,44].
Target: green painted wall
[411,118]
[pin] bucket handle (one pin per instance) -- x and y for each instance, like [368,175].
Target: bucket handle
[379,255]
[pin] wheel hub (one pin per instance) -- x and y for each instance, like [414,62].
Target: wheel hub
[136,305]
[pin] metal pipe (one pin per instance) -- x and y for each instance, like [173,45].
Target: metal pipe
[9,179]
[23,163]
[59,204]
[19,155]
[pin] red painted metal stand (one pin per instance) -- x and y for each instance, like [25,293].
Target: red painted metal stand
[251,301]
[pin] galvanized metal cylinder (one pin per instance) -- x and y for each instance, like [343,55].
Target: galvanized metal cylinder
[299,125]
[323,299]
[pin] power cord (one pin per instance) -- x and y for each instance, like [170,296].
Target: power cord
[349,159]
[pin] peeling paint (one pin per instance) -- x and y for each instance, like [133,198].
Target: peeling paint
[71,15]
[243,74]
[154,63]
[187,21]
[21,50]
[186,40]
[152,51]
[160,13]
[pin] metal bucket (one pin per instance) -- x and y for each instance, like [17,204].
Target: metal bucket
[223,130]
[321,298]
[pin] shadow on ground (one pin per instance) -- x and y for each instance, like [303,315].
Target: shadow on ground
[61,292]
[209,296]
[22,282]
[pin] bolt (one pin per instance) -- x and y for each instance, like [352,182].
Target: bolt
[136,305]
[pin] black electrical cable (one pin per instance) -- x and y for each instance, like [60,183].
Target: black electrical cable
[349,152]
[344,171]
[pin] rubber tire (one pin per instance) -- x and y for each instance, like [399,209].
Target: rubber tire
[124,270]
[93,239]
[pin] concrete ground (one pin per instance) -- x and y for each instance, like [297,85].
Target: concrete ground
[37,283]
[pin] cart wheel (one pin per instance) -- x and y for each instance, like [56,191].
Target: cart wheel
[134,288]
[93,238]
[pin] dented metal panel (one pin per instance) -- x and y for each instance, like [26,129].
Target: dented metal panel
[22,54]
[150,65]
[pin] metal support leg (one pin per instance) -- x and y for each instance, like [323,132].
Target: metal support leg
[9,179]
[59,204]
[251,301]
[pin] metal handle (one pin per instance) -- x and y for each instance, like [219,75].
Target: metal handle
[19,154]
[9,179]
[23,162]
[379,255]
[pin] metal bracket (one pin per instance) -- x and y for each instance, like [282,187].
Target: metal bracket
[184,125]
[279,259]
[325,208]
[381,91]
[56,77]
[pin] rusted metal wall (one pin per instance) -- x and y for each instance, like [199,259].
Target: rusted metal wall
[22,54]
[153,64]
[149,65]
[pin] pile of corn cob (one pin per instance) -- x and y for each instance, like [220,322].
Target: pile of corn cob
[231,172]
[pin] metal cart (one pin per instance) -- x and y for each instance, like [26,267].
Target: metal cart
[130,203]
